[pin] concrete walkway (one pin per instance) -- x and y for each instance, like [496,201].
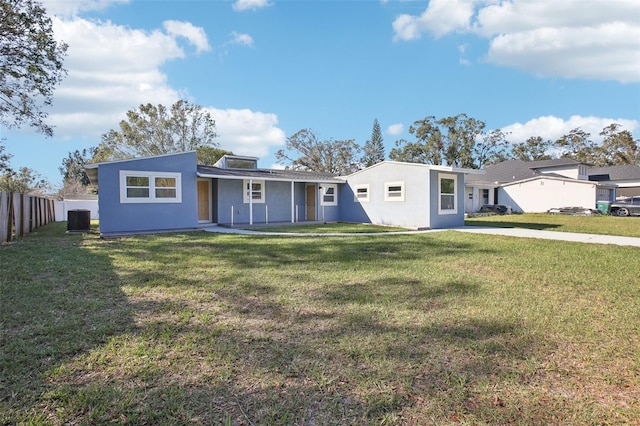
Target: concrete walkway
[553,235]
[509,232]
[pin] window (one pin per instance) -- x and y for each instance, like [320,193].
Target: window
[394,191]
[256,192]
[240,163]
[447,194]
[329,195]
[150,187]
[485,196]
[361,193]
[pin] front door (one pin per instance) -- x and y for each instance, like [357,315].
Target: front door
[204,200]
[310,202]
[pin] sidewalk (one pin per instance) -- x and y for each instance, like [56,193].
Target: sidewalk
[553,235]
[509,232]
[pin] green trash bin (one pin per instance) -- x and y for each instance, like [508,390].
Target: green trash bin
[603,207]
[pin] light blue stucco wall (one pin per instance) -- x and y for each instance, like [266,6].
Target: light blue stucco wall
[440,221]
[117,217]
[277,203]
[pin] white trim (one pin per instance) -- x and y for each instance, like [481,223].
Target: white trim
[361,196]
[245,191]
[325,193]
[152,195]
[442,211]
[396,195]
[95,165]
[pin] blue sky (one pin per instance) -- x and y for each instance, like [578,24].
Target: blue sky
[266,69]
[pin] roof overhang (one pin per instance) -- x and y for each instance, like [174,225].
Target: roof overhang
[267,178]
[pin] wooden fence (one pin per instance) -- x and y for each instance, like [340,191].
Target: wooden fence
[22,213]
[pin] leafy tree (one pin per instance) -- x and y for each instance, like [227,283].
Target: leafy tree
[30,64]
[25,180]
[72,167]
[208,156]
[331,156]
[374,148]
[4,157]
[447,141]
[156,130]
[578,145]
[491,149]
[533,149]
[428,147]
[618,147]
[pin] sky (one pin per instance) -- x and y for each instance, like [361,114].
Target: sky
[267,68]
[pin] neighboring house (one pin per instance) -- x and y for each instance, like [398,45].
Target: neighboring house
[172,192]
[537,186]
[626,178]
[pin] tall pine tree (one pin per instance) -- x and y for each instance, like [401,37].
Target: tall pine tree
[374,149]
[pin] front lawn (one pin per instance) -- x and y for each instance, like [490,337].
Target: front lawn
[330,228]
[597,224]
[201,328]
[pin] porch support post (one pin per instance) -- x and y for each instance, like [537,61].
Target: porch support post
[250,201]
[293,202]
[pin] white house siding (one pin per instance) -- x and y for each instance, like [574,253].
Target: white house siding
[413,212]
[541,194]
[571,171]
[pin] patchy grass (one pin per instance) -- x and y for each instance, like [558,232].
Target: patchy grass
[330,228]
[597,224]
[203,328]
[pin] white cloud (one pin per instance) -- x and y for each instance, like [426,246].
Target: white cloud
[439,18]
[589,39]
[395,129]
[195,35]
[242,5]
[552,128]
[247,132]
[114,69]
[74,7]
[241,39]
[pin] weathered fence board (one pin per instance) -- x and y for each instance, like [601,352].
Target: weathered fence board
[22,213]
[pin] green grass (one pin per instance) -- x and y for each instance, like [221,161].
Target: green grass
[597,224]
[330,228]
[203,328]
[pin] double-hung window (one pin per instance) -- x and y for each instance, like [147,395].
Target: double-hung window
[329,195]
[254,191]
[447,201]
[394,191]
[150,187]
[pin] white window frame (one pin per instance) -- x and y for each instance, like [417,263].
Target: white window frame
[441,177]
[152,176]
[393,195]
[324,193]
[246,191]
[356,195]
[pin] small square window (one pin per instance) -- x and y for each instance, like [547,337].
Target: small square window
[361,193]
[394,191]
